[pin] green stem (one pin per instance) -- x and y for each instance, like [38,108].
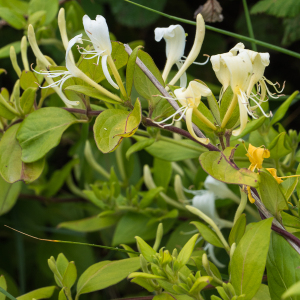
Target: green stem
[74,189]
[8,295]
[241,207]
[238,36]
[92,161]
[229,111]
[249,24]
[120,163]
[76,243]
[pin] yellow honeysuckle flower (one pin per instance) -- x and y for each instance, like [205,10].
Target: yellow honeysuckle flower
[273,172]
[256,156]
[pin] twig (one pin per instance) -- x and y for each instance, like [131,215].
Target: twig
[83,111]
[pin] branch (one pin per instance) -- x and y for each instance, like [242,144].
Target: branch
[149,122]
[83,111]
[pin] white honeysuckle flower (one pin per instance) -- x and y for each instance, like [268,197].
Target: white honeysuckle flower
[235,69]
[72,71]
[189,98]
[211,254]
[97,31]
[174,35]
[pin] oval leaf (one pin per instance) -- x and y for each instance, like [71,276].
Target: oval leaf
[12,168]
[42,130]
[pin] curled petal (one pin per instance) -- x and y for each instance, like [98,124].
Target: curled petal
[243,115]
[189,124]
[183,78]
[106,72]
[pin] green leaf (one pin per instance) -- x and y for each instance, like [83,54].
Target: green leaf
[62,295]
[225,102]
[237,230]
[186,252]
[142,83]
[2,285]
[287,8]
[163,296]
[282,266]
[13,18]
[105,274]
[27,100]
[291,30]
[12,168]
[249,259]
[8,195]
[130,69]
[28,80]
[19,6]
[181,150]
[271,194]
[42,293]
[146,284]
[251,126]
[293,290]
[91,92]
[290,221]
[200,284]
[113,125]
[162,172]
[42,130]
[278,147]
[90,224]
[5,109]
[144,275]
[134,224]
[138,146]
[288,186]
[149,197]
[51,7]
[215,165]
[262,293]
[281,111]
[214,108]
[94,71]
[5,50]
[70,275]
[145,249]
[208,234]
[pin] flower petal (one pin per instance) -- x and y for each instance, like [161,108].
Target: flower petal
[243,115]
[183,78]
[106,72]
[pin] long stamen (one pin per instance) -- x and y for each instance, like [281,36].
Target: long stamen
[172,116]
[198,63]
[274,84]
[257,104]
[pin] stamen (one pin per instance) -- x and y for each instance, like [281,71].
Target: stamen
[197,63]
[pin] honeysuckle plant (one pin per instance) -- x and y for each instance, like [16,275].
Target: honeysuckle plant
[117,102]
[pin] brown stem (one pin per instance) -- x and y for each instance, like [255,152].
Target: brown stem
[83,111]
[227,137]
[222,142]
[149,122]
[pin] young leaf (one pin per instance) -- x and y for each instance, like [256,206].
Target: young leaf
[130,69]
[281,111]
[113,125]
[70,275]
[293,290]
[149,196]
[145,249]
[27,99]
[13,18]
[271,194]
[28,80]
[282,266]
[278,147]
[262,293]
[42,130]
[251,126]
[106,273]
[249,259]
[215,165]
[237,230]
[208,235]
[138,146]
[186,252]
[12,168]
[42,293]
